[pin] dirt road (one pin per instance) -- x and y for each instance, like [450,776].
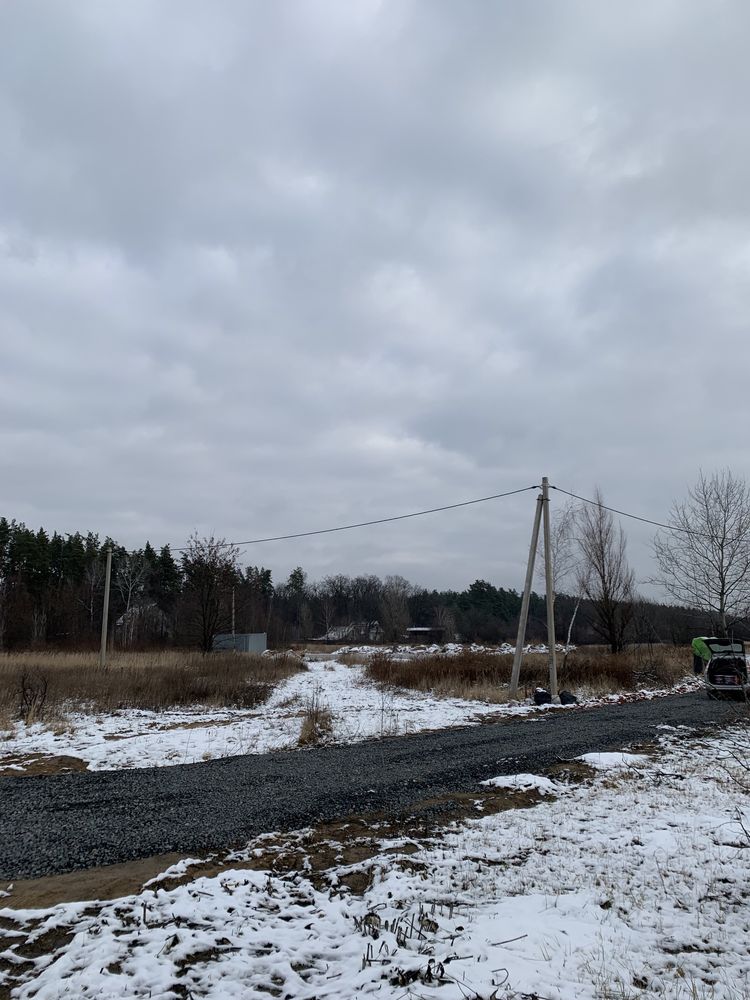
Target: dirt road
[52,824]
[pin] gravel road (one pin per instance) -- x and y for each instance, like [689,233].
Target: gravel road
[53,824]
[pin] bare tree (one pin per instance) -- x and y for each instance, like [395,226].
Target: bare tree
[211,570]
[565,558]
[705,562]
[394,607]
[563,550]
[38,623]
[130,579]
[4,573]
[93,582]
[604,577]
[4,589]
[445,619]
[326,603]
[306,621]
[365,597]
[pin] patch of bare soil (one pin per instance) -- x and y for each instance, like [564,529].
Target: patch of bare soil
[21,945]
[110,882]
[39,763]
[344,843]
[357,840]
[339,857]
[571,772]
[206,723]
[650,748]
[500,717]
[48,941]
[197,724]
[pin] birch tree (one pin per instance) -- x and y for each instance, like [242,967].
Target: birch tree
[704,562]
[131,577]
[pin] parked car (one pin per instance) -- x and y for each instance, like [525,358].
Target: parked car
[725,666]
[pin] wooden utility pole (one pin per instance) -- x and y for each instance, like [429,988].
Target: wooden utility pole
[521,638]
[549,592]
[105,609]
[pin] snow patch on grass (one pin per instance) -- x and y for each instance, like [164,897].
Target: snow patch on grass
[613,761]
[359,710]
[525,782]
[633,885]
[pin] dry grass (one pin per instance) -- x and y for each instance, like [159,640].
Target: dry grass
[354,659]
[36,686]
[485,676]
[7,718]
[317,721]
[317,647]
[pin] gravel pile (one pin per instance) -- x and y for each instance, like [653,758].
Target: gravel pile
[54,824]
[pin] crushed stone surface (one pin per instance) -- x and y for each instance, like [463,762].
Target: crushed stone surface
[58,823]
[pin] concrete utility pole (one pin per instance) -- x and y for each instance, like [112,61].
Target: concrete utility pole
[105,609]
[521,638]
[550,592]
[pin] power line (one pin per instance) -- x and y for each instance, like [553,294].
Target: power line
[380,520]
[624,513]
[455,506]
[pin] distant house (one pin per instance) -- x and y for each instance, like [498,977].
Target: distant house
[141,622]
[427,634]
[353,632]
[240,642]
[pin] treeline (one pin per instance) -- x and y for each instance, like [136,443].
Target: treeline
[52,591]
[52,588]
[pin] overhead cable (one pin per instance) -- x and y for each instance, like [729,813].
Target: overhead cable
[379,520]
[624,513]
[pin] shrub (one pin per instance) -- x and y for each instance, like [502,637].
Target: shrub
[317,721]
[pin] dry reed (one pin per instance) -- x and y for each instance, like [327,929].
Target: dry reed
[354,659]
[46,685]
[317,721]
[484,676]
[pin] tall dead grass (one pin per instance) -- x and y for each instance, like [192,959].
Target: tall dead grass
[352,659]
[42,685]
[317,721]
[484,676]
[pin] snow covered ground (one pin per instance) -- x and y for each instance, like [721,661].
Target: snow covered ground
[632,884]
[360,710]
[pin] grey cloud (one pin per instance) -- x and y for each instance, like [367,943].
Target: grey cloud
[268,266]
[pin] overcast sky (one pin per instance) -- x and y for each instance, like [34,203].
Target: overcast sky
[268,267]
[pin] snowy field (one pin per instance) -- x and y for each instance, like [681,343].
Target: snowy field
[360,710]
[630,882]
